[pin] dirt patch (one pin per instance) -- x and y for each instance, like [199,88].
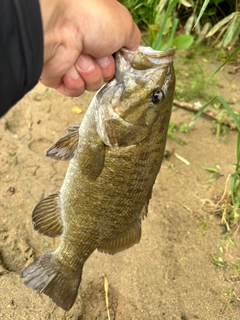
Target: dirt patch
[170,274]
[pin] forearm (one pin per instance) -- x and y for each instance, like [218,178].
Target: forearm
[21,49]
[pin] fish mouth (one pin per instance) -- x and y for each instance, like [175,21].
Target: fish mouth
[145,59]
[152,52]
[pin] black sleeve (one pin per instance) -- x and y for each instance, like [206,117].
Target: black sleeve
[21,49]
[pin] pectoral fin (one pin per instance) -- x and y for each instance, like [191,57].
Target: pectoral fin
[91,158]
[64,148]
[123,134]
[122,241]
[46,217]
[72,128]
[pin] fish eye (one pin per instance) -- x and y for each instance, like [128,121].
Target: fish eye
[157,96]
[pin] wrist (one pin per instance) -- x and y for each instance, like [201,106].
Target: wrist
[59,27]
[50,12]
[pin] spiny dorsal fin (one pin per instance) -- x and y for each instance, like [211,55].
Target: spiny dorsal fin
[144,210]
[64,148]
[122,241]
[46,217]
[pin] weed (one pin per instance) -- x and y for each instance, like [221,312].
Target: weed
[158,21]
[229,30]
[184,128]
[172,129]
[204,225]
[166,35]
[214,174]
[13,157]
[12,153]
[229,294]
[229,205]
[222,117]
[218,261]
[231,241]
[198,86]
[236,267]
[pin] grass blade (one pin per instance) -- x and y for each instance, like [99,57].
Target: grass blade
[238,152]
[226,61]
[185,3]
[230,112]
[206,2]
[232,33]
[174,27]
[169,43]
[157,42]
[221,23]
[161,6]
[201,111]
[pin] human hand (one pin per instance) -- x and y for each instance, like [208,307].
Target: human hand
[80,37]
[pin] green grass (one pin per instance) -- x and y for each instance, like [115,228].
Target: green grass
[214,174]
[193,79]
[173,128]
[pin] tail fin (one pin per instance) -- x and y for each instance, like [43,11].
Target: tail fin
[47,275]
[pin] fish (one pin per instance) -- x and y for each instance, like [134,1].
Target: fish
[115,155]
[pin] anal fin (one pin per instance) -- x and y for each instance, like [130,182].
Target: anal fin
[64,148]
[123,240]
[46,217]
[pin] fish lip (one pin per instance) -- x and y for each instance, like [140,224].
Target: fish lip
[144,58]
[159,57]
[148,51]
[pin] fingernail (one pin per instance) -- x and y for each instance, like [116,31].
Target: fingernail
[85,63]
[73,73]
[102,62]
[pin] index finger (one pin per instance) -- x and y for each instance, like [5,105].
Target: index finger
[134,38]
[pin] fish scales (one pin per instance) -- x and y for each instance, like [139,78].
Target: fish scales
[115,154]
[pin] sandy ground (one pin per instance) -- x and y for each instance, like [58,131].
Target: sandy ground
[170,274]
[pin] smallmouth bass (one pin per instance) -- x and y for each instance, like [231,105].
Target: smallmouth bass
[115,156]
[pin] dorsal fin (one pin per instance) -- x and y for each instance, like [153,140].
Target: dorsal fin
[144,210]
[64,148]
[46,216]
